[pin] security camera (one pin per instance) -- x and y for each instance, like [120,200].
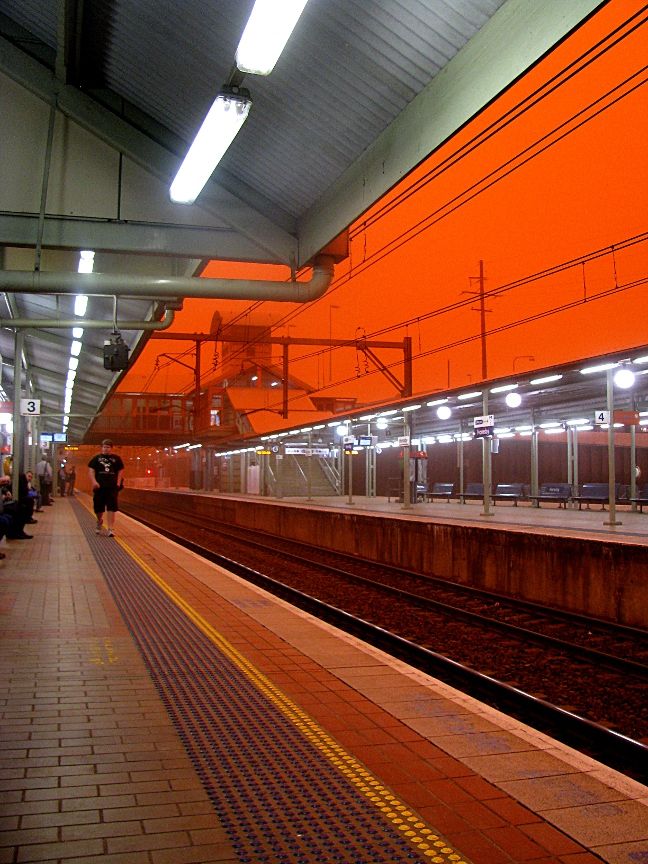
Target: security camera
[115,353]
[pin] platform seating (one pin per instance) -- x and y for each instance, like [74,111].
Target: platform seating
[597,493]
[441,490]
[509,492]
[472,492]
[641,499]
[560,492]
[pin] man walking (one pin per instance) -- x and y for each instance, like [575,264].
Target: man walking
[106,472]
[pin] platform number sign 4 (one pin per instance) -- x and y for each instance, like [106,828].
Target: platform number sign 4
[30,407]
[602,418]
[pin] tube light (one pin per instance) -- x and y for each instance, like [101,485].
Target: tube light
[472,395]
[503,388]
[219,128]
[266,33]
[411,408]
[546,380]
[436,402]
[602,367]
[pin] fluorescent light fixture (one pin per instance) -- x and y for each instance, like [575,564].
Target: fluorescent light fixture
[503,388]
[319,426]
[587,428]
[266,33]
[506,434]
[73,363]
[524,428]
[550,424]
[254,378]
[552,431]
[181,446]
[77,332]
[366,417]
[445,439]
[274,384]
[502,430]
[444,412]
[436,402]
[548,379]
[80,305]
[643,359]
[513,400]
[472,395]
[86,261]
[579,421]
[75,348]
[602,367]
[388,413]
[411,408]
[219,128]
[525,432]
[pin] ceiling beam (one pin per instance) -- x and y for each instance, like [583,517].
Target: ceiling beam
[154,238]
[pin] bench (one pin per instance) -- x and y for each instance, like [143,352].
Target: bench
[509,492]
[441,490]
[596,493]
[394,488]
[641,499]
[473,491]
[560,492]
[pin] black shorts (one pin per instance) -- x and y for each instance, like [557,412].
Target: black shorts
[105,498]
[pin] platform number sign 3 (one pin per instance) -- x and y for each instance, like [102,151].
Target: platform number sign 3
[30,407]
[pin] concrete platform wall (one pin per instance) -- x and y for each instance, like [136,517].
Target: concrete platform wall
[595,577]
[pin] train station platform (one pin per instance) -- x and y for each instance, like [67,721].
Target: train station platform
[157,709]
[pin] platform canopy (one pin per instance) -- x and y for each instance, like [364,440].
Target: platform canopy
[99,102]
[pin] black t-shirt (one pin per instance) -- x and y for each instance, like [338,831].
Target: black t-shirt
[106,467]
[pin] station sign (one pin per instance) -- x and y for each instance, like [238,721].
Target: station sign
[403,440]
[602,418]
[484,426]
[30,407]
[484,420]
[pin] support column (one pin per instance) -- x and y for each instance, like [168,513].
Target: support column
[612,521]
[486,462]
[407,498]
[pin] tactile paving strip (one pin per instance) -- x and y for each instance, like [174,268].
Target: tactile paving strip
[284,790]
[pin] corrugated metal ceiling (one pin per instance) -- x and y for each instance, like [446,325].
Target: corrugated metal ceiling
[349,69]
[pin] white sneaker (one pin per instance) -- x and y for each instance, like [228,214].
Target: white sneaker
[98,528]
[111,533]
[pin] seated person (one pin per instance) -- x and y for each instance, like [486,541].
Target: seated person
[34,493]
[11,513]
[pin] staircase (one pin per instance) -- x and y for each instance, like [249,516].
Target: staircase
[294,477]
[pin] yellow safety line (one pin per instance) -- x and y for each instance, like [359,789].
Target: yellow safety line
[417,832]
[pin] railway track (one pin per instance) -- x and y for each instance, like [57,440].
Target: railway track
[582,680]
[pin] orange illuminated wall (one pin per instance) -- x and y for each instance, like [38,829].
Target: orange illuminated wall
[547,187]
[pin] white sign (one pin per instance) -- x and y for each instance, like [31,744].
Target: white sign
[30,407]
[403,440]
[484,420]
[298,451]
[602,417]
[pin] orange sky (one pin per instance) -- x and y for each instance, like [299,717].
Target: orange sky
[561,180]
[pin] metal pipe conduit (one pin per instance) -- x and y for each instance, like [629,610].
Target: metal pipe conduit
[65,323]
[28,282]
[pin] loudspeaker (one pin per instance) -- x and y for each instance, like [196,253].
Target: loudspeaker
[115,354]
